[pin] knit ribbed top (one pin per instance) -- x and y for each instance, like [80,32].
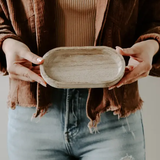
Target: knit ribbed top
[75,22]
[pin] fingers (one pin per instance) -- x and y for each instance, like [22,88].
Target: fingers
[19,61]
[117,112]
[14,76]
[142,70]
[23,73]
[138,67]
[112,108]
[134,53]
[127,70]
[137,78]
[36,70]
[125,52]
[31,57]
[131,76]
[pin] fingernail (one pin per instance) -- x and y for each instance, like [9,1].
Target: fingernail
[39,59]
[129,68]
[43,84]
[118,86]
[114,113]
[110,88]
[119,48]
[132,67]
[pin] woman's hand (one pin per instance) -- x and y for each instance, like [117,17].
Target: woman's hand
[19,62]
[140,62]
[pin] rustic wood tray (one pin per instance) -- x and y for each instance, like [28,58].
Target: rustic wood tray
[82,67]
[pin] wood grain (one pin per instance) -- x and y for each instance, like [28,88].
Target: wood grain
[82,67]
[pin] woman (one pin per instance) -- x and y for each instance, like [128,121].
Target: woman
[28,29]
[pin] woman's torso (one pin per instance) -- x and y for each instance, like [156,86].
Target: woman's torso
[75,22]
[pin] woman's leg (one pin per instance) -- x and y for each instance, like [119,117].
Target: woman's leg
[118,139]
[33,140]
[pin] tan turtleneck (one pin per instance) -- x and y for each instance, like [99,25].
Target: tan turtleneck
[75,22]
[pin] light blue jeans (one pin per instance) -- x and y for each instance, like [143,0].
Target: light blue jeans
[62,134]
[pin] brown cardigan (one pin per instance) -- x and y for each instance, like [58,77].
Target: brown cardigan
[118,22]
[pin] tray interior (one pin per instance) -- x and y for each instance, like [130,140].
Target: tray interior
[85,65]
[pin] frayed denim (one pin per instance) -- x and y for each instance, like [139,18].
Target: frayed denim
[62,134]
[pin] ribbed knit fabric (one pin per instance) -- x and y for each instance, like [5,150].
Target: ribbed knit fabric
[75,22]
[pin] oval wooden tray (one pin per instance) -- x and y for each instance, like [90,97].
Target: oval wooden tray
[82,67]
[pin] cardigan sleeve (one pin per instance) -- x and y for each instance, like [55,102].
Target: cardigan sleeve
[6,31]
[149,28]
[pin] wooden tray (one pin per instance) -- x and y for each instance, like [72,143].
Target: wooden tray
[82,67]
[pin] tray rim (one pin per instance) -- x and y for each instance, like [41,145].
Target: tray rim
[60,84]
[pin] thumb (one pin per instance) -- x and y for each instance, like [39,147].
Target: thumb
[125,52]
[31,57]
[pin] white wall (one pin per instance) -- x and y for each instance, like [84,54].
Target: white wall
[150,92]
[4,85]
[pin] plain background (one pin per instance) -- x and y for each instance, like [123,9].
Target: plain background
[150,93]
